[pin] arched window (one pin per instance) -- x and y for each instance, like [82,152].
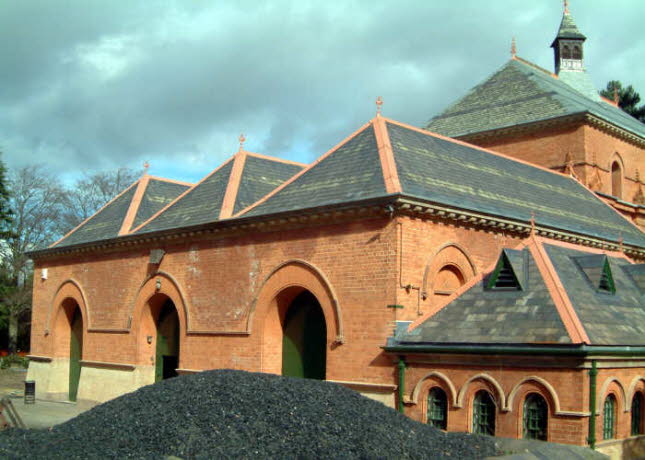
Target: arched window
[609,418]
[616,180]
[535,417]
[483,413]
[566,52]
[448,280]
[637,414]
[577,52]
[437,413]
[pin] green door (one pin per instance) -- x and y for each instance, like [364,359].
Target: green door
[304,344]
[167,353]
[75,354]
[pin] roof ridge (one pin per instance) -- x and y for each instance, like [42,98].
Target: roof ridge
[386,156]
[563,305]
[233,185]
[183,194]
[535,66]
[131,214]
[276,159]
[94,215]
[304,171]
[172,181]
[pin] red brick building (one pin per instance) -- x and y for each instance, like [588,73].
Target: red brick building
[308,270]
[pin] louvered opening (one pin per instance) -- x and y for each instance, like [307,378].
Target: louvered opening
[503,278]
[606,283]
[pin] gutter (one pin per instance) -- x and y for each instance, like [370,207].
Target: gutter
[479,349]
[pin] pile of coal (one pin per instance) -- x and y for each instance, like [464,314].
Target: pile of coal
[235,414]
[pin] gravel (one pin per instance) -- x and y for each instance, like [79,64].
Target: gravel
[235,414]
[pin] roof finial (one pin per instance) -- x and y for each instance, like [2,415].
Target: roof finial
[513,48]
[242,140]
[566,6]
[146,166]
[616,95]
[620,242]
[532,223]
[379,103]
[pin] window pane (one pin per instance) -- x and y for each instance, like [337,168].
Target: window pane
[483,414]
[437,408]
[637,414]
[535,417]
[609,417]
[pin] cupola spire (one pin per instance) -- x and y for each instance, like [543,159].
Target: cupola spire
[567,46]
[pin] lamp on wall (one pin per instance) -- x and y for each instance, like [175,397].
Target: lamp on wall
[149,339]
[158,284]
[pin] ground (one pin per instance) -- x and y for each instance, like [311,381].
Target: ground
[12,381]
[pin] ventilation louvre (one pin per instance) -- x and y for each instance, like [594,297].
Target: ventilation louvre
[504,277]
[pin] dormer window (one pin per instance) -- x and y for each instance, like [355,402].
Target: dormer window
[504,277]
[598,271]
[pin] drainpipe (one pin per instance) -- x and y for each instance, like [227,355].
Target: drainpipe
[401,383]
[593,372]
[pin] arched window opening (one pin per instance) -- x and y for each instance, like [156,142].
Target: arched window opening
[577,52]
[637,414]
[437,412]
[566,52]
[609,418]
[535,417]
[616,180]
[75,352]
[448,280]
[483,413]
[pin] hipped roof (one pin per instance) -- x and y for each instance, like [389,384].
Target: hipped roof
[557,305]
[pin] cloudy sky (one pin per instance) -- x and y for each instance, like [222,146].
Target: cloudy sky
[87,85]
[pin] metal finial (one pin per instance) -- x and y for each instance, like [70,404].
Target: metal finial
[566,6]
[242,140]
[379,103]
[513,48]
[146,166]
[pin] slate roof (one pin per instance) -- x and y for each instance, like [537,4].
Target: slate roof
[245,178]
[539,313]
[519,93]
[457,174]
[351,172]
[568,29]
[107,222]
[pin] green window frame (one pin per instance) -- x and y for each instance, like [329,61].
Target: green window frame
[536,413]
[637,414]
[483,413]
[609,418]
[437,410]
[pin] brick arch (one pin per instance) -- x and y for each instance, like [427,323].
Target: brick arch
[496,387]
[141,305]
[58,327]
[450,254]
[632,389]
[452,392]
[72,289]
[545,389]
[282,285]
[605,390]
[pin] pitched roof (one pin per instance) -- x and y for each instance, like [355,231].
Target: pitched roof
[521,92]
[241,180]
[557,305]
[143,198]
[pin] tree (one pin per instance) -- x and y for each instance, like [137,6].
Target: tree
[91,192]
[628,99]
[36,199]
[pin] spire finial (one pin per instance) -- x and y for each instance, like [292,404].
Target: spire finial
[146,166]
[566,6]
[379,103]
[513,48]
[242,140]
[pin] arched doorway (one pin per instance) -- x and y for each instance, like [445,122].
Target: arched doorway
[75,349]
[304,342]
[167,341]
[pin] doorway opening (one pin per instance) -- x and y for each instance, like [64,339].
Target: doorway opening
[167,346]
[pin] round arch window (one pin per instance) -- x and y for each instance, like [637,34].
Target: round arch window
[448,280]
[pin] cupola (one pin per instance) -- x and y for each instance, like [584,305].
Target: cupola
[568,44]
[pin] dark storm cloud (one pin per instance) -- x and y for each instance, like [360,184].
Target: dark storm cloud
[106,84]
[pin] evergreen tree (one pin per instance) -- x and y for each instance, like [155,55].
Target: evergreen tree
[628,99]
